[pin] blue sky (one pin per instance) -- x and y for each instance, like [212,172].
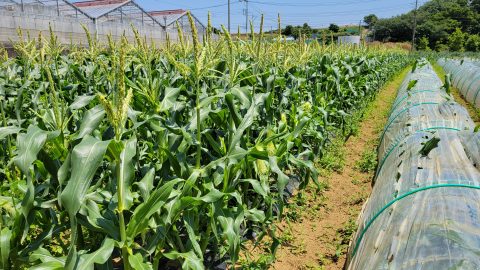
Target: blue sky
[316,13]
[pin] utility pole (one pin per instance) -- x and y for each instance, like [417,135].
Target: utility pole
[229,30]
[246,15]
[414,25]
[360,29]
[374,33]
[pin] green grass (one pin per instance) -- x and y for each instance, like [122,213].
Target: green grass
[368,162]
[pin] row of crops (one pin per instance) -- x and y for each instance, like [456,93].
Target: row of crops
[465,75]
[423,211]
[133,156]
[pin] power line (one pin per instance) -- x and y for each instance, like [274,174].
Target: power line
[214,6]
[202,8]
[324,4]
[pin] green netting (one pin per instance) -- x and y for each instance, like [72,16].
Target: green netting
[424,209]
[465,76]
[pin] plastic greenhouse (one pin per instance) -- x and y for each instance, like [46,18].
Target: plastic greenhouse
[424,209]
[466,77]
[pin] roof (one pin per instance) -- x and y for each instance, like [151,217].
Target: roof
[96,9]
[98,3]
[170,16]
[167,17]
[64,7]
[168,12]
[116,10]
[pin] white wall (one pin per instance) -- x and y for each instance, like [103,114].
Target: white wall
[349,40]
[69,30]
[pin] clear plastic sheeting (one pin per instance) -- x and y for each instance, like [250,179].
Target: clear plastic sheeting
[465,75]
[425,205]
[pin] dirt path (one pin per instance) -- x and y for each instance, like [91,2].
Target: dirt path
[319,226]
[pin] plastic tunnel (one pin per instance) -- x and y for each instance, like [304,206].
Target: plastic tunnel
[465,75]
[424,209]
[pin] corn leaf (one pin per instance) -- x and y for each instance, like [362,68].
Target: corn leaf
[5,238]
[5,131]
[99,256]
[90,121]
[29,144]
[143,212]
[169,99]
[86,158]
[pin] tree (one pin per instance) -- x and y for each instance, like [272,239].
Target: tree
[473,43]
[440,46]
[297,31]
[306,29]
[456,41]
[436,20]
[334,28]
[288,31]
[423,44]
[475,5]
[370,20]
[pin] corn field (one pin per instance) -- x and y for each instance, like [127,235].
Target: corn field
[132,156]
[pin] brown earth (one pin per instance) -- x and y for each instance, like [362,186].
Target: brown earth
[318,226]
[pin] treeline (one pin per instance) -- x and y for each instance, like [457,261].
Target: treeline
[333,31]
[442,25]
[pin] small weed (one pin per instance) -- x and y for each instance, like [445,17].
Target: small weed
[356,198]
[287,236]
[312,266]
[334,158]
[299,249]
[322,260]
[262,262]
[342,239]
[296,207]
[368,162]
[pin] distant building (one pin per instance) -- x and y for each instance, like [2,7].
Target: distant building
[130,12]
[122,11]
[348,40]
[43,9]
[106,18]
[169,18]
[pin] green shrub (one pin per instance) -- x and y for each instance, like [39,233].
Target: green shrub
[473,43]
[456,41]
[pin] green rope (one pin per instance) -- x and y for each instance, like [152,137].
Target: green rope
[369,223]
[395,146]
[401,112]
[394,106]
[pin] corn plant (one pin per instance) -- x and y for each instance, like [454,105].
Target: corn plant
[145,157]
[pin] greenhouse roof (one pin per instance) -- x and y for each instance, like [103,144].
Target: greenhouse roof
[168,17]
[65,8]
[96,9]
[116,10]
